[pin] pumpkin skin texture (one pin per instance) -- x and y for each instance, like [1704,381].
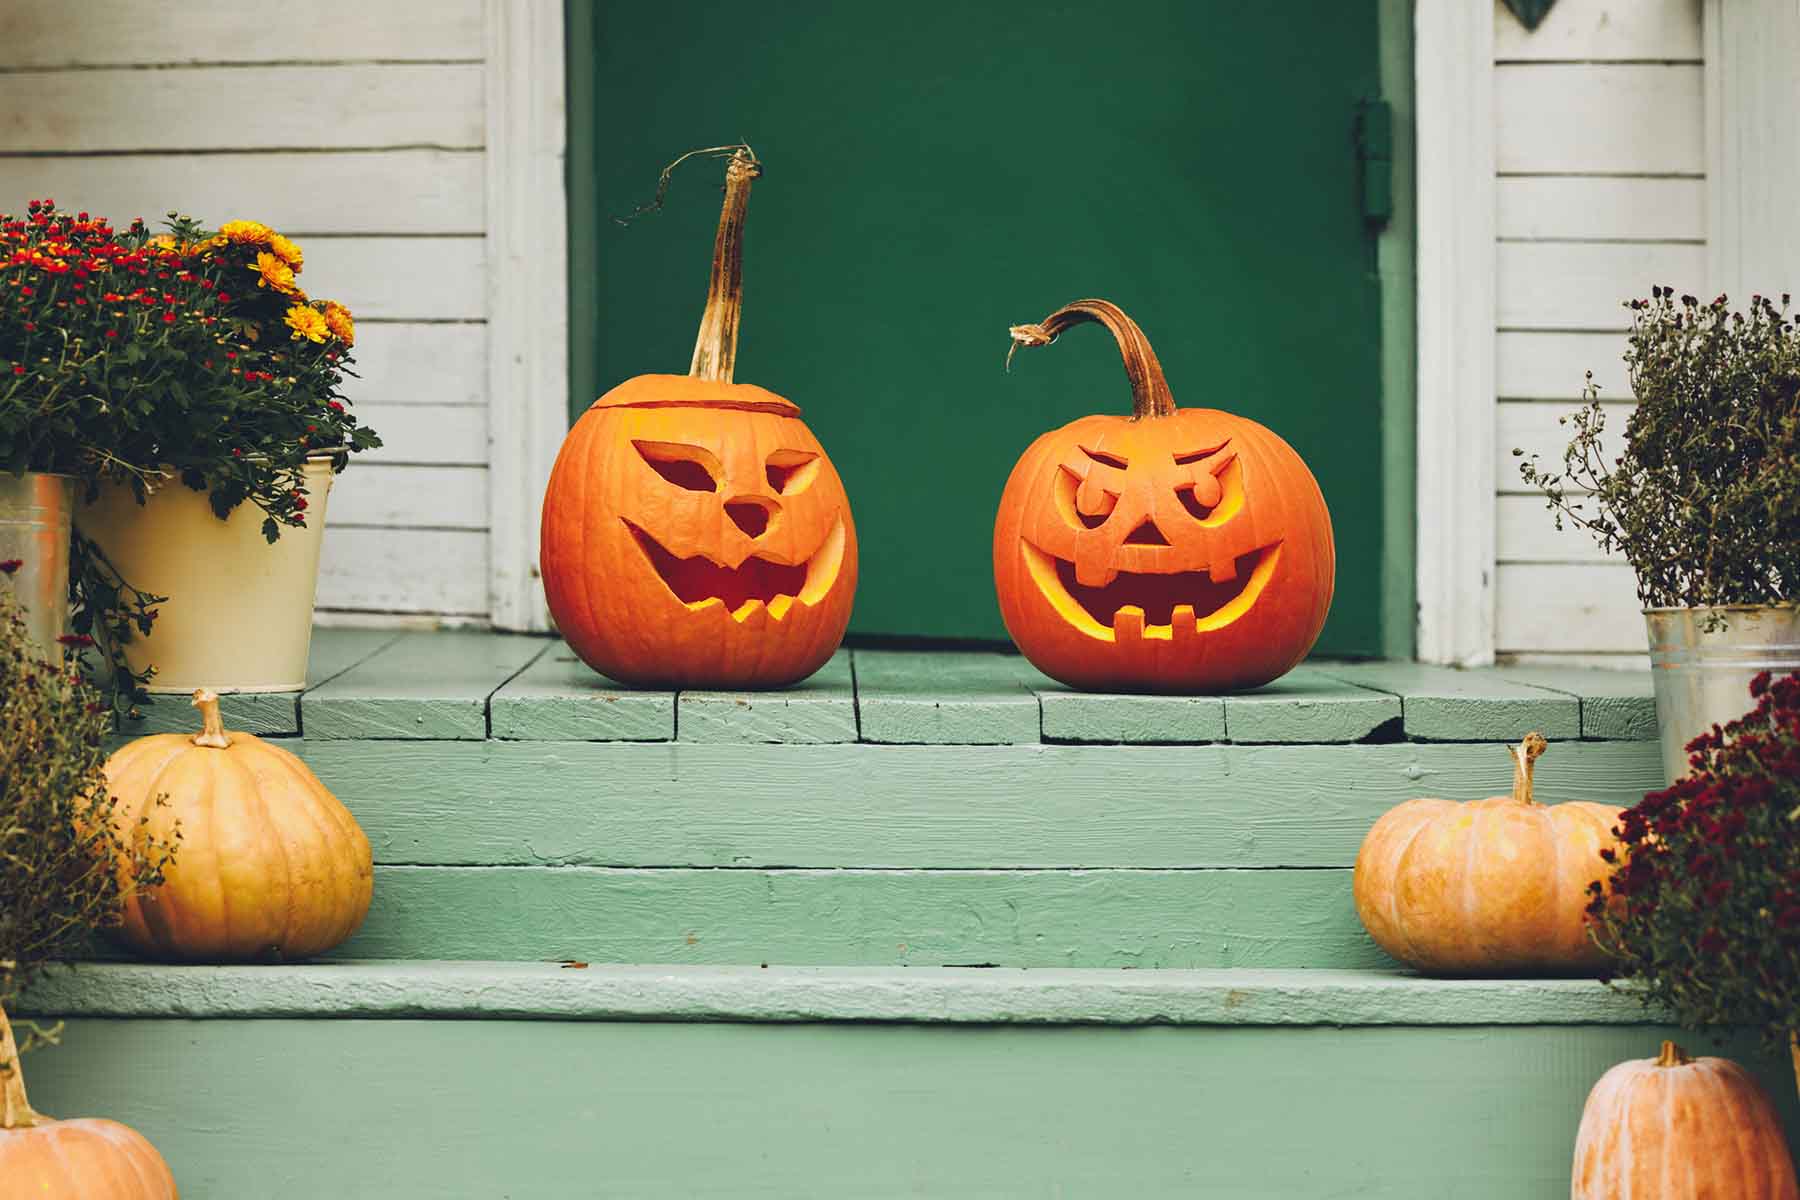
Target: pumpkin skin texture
[1172,550]
[271,866]
[696,535]
[87,1158]
[694,532]
[1673,1126]
[1488,887]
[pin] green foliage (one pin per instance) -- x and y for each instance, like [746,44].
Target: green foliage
[64,868]
[1704,909]
[186,358]
[1705,500]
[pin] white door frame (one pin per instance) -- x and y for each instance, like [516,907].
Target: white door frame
[527,293]
[1453,79]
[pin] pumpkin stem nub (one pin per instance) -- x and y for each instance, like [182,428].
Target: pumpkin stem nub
[715,350]
[212,725]
[1150,395]
[1525,756]
[1672,1056]
[15,1110]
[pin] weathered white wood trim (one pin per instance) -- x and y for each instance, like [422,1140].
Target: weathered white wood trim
[1453,74]
[1752,146]
[527,291]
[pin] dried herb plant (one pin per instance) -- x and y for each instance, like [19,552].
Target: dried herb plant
[64,867]
[1704,502]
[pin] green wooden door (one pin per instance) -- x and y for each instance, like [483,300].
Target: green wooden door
[939,171]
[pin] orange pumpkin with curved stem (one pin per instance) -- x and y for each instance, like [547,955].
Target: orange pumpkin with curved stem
[88,1157]
[1172,550]
[695,533]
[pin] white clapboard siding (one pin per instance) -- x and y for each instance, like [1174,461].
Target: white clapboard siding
[1536,428]
[426,434]
[374,191]
[1588,208]
[407,363]
[1573,607]
[398,279]
[1600,194]
[238,108]
[116,32]
[1602,30]
[404,570]
[1528,534]
[1530,365]
[1600,119]
[1584,285]
[410,497]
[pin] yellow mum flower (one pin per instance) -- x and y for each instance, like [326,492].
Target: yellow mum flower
[337,319]
[273,273]
[287,252]
[247,233]
[306,323]
[164,241]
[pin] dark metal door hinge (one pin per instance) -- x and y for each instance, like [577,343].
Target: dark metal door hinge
[1375,156]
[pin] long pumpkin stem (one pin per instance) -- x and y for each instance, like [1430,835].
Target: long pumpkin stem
[1525,756]
[15,1110]
[1150,395]
[1672,1056]
[212,726]
[715,350]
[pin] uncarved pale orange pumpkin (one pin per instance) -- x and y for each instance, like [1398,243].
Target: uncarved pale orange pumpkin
[1172,550]
[694,532]
[270,864]
[1680,1128]
[1486,887]
[84,1159]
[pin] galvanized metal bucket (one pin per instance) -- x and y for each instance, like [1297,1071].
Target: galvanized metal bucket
[35,511]
[1703,677]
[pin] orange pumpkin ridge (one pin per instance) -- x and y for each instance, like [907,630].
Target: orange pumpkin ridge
[1488,886]
[1680,1126]
[1174,550]
[271,864]
[91,1158]
[694,531]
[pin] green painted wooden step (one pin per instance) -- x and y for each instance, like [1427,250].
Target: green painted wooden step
[405,1080]
[902,808]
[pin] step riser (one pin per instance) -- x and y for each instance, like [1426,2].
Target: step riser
[402,1109]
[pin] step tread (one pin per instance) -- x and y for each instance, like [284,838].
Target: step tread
[921,995]
[468,685]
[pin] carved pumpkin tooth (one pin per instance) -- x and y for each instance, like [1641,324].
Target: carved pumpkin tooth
[1128,622]
[778,607]
[744,611]
[1181,621]
[1222,570]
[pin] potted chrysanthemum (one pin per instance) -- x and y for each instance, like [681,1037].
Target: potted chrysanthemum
[192,390]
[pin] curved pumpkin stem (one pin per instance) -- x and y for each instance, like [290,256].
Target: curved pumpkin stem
[15,1110]
[1672,1056]
[212,726]
[1150,395]
[715,350]
[1525,756]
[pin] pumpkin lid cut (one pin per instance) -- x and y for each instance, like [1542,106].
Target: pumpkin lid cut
[708,383]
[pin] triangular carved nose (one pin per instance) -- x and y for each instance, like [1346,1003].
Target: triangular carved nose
[751,516]
[1146,534]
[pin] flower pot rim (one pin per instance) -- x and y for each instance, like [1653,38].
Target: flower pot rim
[1695,608]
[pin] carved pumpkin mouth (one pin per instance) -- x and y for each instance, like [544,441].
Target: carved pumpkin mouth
[756,584]
[1145,604]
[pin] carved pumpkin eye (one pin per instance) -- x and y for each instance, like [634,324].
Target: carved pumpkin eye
[792,471]
[1067,485]
[1107,459]
[690,467]
[1215,496]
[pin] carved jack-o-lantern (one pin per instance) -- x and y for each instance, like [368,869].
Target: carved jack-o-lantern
[1171,550]
[694,532]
